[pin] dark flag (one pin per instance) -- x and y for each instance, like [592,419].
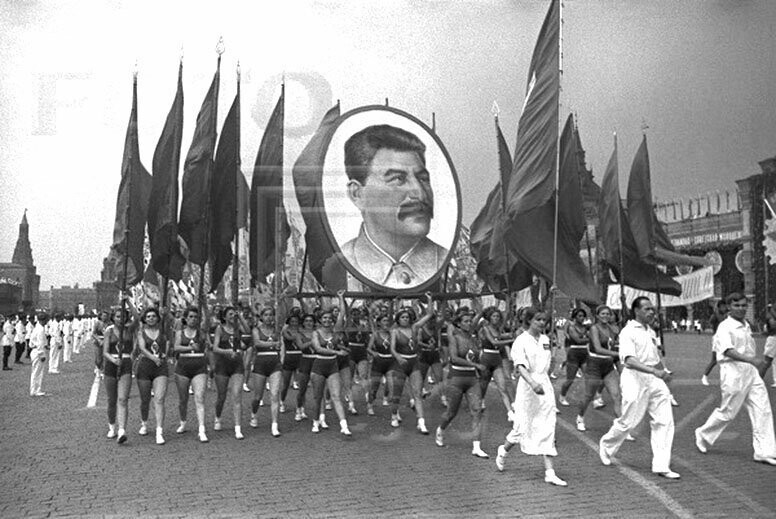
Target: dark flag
[651,239]
[131,207]
[531,234]
[307,173]
[619,245]
[166,255]
[223,195]
[197,172]
[267,198]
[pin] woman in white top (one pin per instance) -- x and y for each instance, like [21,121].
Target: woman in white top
[534,425]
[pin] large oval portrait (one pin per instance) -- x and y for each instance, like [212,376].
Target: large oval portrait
[391,199]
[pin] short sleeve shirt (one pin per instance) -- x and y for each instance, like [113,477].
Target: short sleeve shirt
[532,353]
[640,342]
[736,335]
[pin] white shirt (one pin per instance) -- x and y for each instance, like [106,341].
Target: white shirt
[19,337]
[733,334]
[38,337]
[8,330]
[532,353]
[640,342]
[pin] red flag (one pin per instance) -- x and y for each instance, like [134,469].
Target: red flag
[197,172]
[307,173]
[619,245]
[223,195]
[267,197]
[131,207]
[166,256]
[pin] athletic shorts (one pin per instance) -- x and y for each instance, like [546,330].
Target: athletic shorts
[597,368]
[191,366]
[491,359]
[408,367]
[306,364]
[148,370]
[266,364]
[343,362]
[381,365]
[358,353]
[292,360]
[429,357]
[113,371]
[325,367]
[227,367]
[576,356]
[460,381]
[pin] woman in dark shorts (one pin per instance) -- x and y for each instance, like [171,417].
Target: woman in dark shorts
[98,336]
[305,364]
[430,357]
[228,351]
[268,356]
[577,341]
[152,371]
[379,349]
[600,367]
[328,345]
[463,380]
[405,364]
[292,341]
[357,335]
[494,344]
[117,351]
[190,345]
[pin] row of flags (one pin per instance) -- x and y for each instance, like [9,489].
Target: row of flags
[533,221]
[214,196]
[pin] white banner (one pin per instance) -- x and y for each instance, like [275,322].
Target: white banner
[696,286]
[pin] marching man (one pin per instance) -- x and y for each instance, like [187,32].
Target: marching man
[740,384]
[39,346]
[643,387]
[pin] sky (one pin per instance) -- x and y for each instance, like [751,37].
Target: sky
[699,74]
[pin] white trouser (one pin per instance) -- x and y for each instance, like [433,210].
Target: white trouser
[38,358]
[642,392]
[56,355]
[68,350]
[77,343]
[741,385]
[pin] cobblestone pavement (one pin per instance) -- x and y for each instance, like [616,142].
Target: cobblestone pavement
[57,462]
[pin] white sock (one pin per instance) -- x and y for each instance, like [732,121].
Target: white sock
[476,445]
[202,429]
[421,422]
[343,424]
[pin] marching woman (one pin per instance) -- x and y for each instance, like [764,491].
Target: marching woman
[268,356]
[357,338]
[190,346]
[600,368]
[152,371]
[463,378]
[292,341]
[534,426]
[379,349]
[576,354]
[405,364]
[430,359]
[328,345]
[117,354]
[305,364]
[228,351]
[493,345]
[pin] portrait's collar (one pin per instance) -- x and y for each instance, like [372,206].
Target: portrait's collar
[384,253]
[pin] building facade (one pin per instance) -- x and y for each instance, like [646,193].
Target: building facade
[21,270]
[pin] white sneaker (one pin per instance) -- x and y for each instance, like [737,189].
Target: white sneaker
[275,431]
[412,404]
[394,421]
[316,427]
[111,432]
[370,410]
[254,421]
[217,424]
[477,451]
[202,437]
[562,400]
[439,437]
[352,409]
[705,380]
[385,402]
[181,428]
[551,478]
[579,374]
[323,423]
[191,390]
[298,415]
[143,429]
[282,407]
[422,426]
[669,474]
[261,403]
[328,405]
[581,424]
[699,443]
[295,385]
[246,388]
[122,436]
[238,432]
[768,460]
[501,458]
[598,403]
[345,431]
[159,438]
[605,458]
[553,375]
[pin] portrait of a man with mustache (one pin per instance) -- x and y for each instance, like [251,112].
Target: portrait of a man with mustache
[389,184]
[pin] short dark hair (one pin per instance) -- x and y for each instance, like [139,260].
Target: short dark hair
[734,296]
[578,311]
[636,304]
[362,146]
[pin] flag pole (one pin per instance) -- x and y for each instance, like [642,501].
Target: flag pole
[495,110]
[279,213]
[644,128]
[237,174]
[623,305]
[554,288]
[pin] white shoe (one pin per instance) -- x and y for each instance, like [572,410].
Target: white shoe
[581,424]
[422,427]
[143,429]
[345,431]
[705,380]
[238,432]
[323,423]
[476,451]
[316,427]
[605,458]
[501,458]
[217,424]
[412,404]
[246,388]
[370,410]
[282,407]
[768,460]
[630,438]
[675,404]
[111,432]
[394,421]
[181,428]
[202,437]
[298,415]
[352,409]
[562,401]
[295,385]
[669,474]
[439,437]
[699,443]
[261,403]
[579,375]
[774,384]
[275,431]
[122,436]
[551,478]
[254,421]
[599,403]
[327,406]
[385,402]
[159,438]
[191,390]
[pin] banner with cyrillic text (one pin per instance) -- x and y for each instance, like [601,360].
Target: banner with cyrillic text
[696,286]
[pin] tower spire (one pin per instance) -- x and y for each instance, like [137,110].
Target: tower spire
[22,253]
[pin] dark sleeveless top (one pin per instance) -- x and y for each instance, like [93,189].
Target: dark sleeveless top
[113,341]
[333,344]
[199,346]
[382,344]
[404,345]
[156,346]
[266,338]
[228,341]
[467,346]
[357,338]
[425,339]
[291,343]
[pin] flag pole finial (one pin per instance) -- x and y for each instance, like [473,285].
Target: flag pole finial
[220,47]
[494,109]
[644,126]
[238,70]
[134,70]
[181,53]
